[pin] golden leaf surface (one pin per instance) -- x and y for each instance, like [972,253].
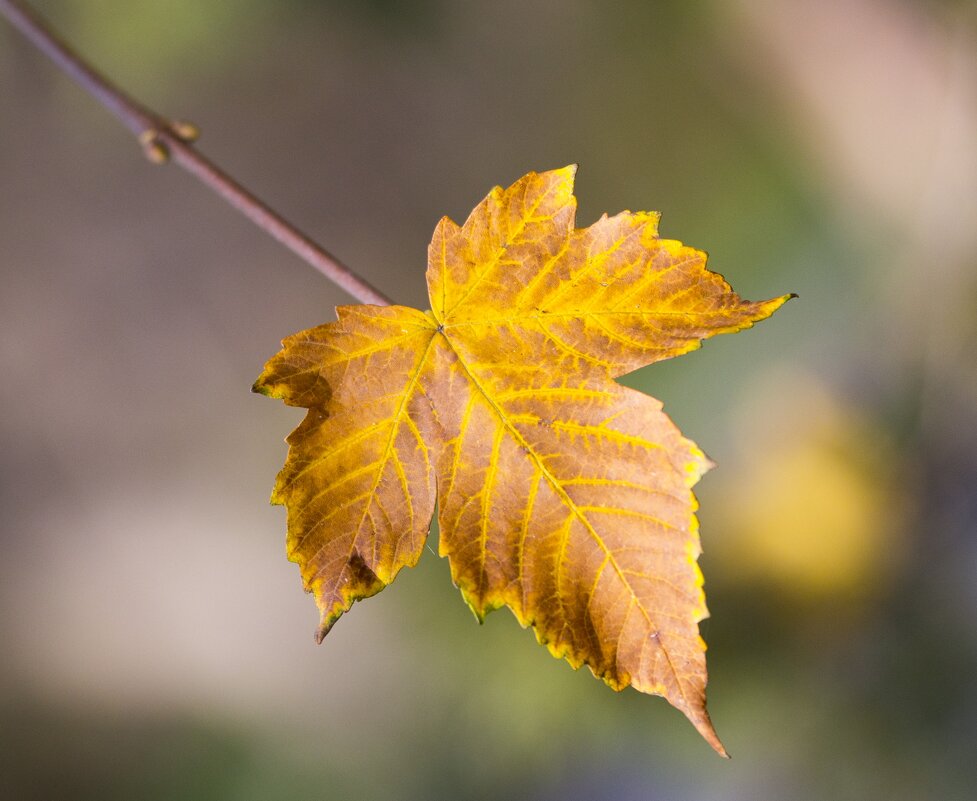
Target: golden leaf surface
[561,494]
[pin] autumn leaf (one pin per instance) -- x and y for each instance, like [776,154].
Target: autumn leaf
[561,494]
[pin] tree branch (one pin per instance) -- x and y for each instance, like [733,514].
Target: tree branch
[163,139]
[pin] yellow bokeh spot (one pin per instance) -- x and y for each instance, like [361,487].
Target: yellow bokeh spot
[813,509]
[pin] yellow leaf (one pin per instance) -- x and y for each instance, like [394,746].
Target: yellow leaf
[562,494]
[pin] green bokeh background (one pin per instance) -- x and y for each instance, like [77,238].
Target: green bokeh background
[156,643]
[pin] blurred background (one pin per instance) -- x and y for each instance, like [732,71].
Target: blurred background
[156,644]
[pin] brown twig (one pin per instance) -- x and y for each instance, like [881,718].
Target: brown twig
[163,139]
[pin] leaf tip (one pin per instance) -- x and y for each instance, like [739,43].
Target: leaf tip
[479,611]
[776,303]
[267,384]
[565,176]
[325,626]
[764,309]
[481,605]
[704,726]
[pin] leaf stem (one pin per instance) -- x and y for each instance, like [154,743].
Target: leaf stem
[163,139]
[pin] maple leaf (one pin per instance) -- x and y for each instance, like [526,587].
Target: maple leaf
[561,493]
